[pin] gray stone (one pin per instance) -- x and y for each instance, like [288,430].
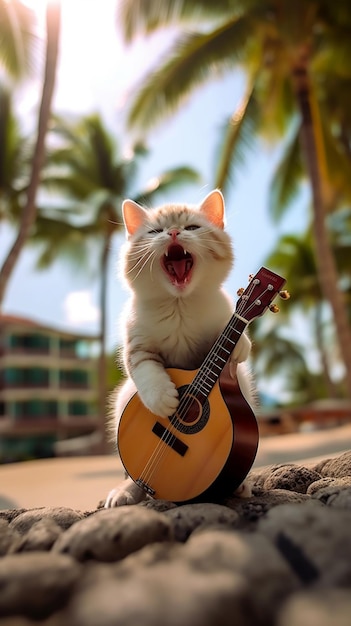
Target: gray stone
[9,538]
[111,534]
[36,584]
[10,514]
[250,510]
[166,594]
[328,607]
[158,505]
[314,540]
[254,557]
[185,519]
[338,467]
[41,536]
[320,484]
[292,478]
[64,517]
[258,477]
[335,496]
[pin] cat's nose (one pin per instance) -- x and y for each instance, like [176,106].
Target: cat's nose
[174,232]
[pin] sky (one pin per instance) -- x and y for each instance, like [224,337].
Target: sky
[97,72]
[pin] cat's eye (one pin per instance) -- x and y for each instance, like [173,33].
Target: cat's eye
[154,231]
[192,227]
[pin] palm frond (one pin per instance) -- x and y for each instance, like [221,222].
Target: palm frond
[145,16]
[17,38]
[286,181]
[237,139]
[170,179]
[193,59]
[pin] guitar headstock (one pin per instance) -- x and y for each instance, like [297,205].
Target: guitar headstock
[259,294]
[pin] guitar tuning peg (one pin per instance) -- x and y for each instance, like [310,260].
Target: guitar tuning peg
[240,291]
[285,295]
[274,308]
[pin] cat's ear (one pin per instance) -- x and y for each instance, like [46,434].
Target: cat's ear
[134,216]
[213,208]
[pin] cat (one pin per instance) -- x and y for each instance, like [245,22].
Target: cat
[175,262]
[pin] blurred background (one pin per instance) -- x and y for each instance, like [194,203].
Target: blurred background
[156,101]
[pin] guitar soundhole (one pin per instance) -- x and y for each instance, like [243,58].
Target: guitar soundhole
[191,416]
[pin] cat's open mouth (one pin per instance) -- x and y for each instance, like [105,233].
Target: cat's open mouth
[177,263]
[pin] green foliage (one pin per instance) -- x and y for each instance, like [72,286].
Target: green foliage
[18,41]
[15,156]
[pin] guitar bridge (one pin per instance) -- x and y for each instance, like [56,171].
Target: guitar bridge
[145,487]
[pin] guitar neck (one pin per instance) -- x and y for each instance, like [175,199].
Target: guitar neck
[217,358]
[253,302]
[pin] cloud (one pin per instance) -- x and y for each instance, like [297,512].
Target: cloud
[79,308]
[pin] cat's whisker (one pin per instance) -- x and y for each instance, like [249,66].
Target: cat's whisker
[139,260]
[146,260]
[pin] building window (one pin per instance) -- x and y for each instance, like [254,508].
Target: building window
[36,409]
[30,342]
[26,377]
[74,378]
[76,407]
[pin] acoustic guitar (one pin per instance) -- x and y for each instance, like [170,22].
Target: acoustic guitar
[206,449]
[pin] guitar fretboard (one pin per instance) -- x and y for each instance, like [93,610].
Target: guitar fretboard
[216,359]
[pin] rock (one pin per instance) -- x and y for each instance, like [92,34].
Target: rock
[185,519]
[290,477]
[258,477]
[36,584]
[9,538]
[250,510]
[329,607]
[335,496]
[158,505]
[338,467]
[320,484]
[165,594]
[314,540]
[111,534]
[41,536]
[10,514]
[254,557]
[64,517]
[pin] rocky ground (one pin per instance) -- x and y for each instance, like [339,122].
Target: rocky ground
[280,558]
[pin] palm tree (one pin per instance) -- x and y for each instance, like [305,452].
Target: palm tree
[294,256]
[90,179]
[53,15]
[17,39]
[284,48]
[277,356]
[15,153]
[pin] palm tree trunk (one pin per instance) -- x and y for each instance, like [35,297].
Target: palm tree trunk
[53,19]
[326,266]
[329,383]
[102,373]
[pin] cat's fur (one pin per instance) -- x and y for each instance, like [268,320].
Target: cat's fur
[173,319]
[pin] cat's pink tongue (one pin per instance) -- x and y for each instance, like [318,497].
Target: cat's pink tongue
[179,268]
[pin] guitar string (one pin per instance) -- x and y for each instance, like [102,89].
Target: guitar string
[163,445]
[206,368]
[167,436]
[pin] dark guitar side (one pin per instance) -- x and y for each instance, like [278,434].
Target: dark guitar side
[244,445]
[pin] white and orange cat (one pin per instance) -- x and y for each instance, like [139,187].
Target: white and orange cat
[175,262]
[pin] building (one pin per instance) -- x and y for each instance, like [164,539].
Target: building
[48,388]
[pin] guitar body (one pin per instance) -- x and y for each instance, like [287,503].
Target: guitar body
[200,457]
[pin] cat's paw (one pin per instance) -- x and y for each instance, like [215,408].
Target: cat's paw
[162,402]
[242,349]
[126,493]
[244,490]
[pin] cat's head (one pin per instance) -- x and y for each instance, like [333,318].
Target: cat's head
[176,248]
